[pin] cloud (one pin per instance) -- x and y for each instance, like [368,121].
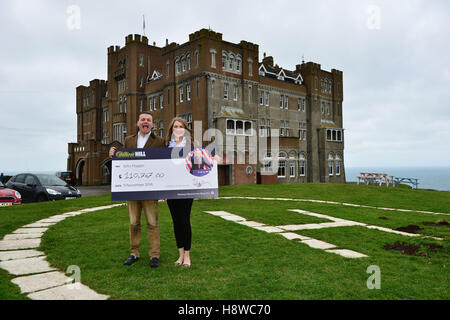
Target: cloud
[396,77]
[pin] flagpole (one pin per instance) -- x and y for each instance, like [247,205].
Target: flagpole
[143,23]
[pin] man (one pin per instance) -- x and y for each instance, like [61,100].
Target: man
[145,138]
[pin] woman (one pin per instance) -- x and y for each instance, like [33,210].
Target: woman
[178,136]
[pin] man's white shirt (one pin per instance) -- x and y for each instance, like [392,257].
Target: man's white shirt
[141,141]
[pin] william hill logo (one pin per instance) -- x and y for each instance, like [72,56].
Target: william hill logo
[124,154]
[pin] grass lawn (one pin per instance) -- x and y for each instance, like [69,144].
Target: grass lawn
[232,261]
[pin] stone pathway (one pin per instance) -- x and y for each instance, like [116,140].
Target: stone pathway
[18,256]
[338,203]
[313,243]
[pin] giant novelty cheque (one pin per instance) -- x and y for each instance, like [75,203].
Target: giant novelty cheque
[163,173]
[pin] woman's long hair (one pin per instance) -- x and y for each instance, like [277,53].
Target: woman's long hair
[187,131]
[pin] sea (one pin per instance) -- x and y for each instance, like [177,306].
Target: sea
[434,178]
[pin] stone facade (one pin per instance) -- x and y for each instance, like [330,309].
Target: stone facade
[215,84]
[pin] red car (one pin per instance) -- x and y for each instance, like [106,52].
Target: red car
[8,197]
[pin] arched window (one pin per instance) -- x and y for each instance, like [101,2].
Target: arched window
[330,164]
[224,60]
[292,157]
[338,162]
[183,64]
[231,62]
[238,63]
[282,165]
[301,164]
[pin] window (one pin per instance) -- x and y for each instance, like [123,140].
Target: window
[249,94]
[120,131]
[266,98]
[213,58]
[181,94]
[141,102]
[281,101]
[225,90]
[248,128]
[196,53]
[301,165]
[338,165]
[188,92]
[330,164]
[238,63]
[125,104]
[230,127]
[281,165]
[161,101]
[267,164]
[291,168]
[301,104]
[183,64]
[178,66]
[168,96]
[224,61]
[120,105]
[334,135]
[188,118]
[230,62]
[141,81]
[141,60]
[250,67]
[167,68]
[261,98]
[154,103]
[235,92]
[239,127]
[188,59]
[213,87]
[105,115]
[286,102]
[302,130]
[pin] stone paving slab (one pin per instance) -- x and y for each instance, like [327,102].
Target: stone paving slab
[38,225]
[19,244]
[20,236]
[67,292]
[317,244]
[26,266]
[269,229]
[51,220]
[41,281]
[251,223]
[232,217]
[30,230]
[19,254]
[347,253]
[218,213]
[293,236]
[394,231]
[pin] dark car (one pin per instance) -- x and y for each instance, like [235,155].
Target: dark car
[67,176]
[8,196]
[42,187]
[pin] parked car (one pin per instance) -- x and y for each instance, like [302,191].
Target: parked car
[8,197]
[67,176]
[42,187]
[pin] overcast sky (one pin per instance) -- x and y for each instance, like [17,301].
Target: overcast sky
[394,56]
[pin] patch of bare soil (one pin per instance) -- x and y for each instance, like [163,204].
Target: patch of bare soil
[413,249]
[384,218]
[441,223]
[411,228]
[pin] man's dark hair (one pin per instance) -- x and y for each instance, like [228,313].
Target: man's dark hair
[145,112]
